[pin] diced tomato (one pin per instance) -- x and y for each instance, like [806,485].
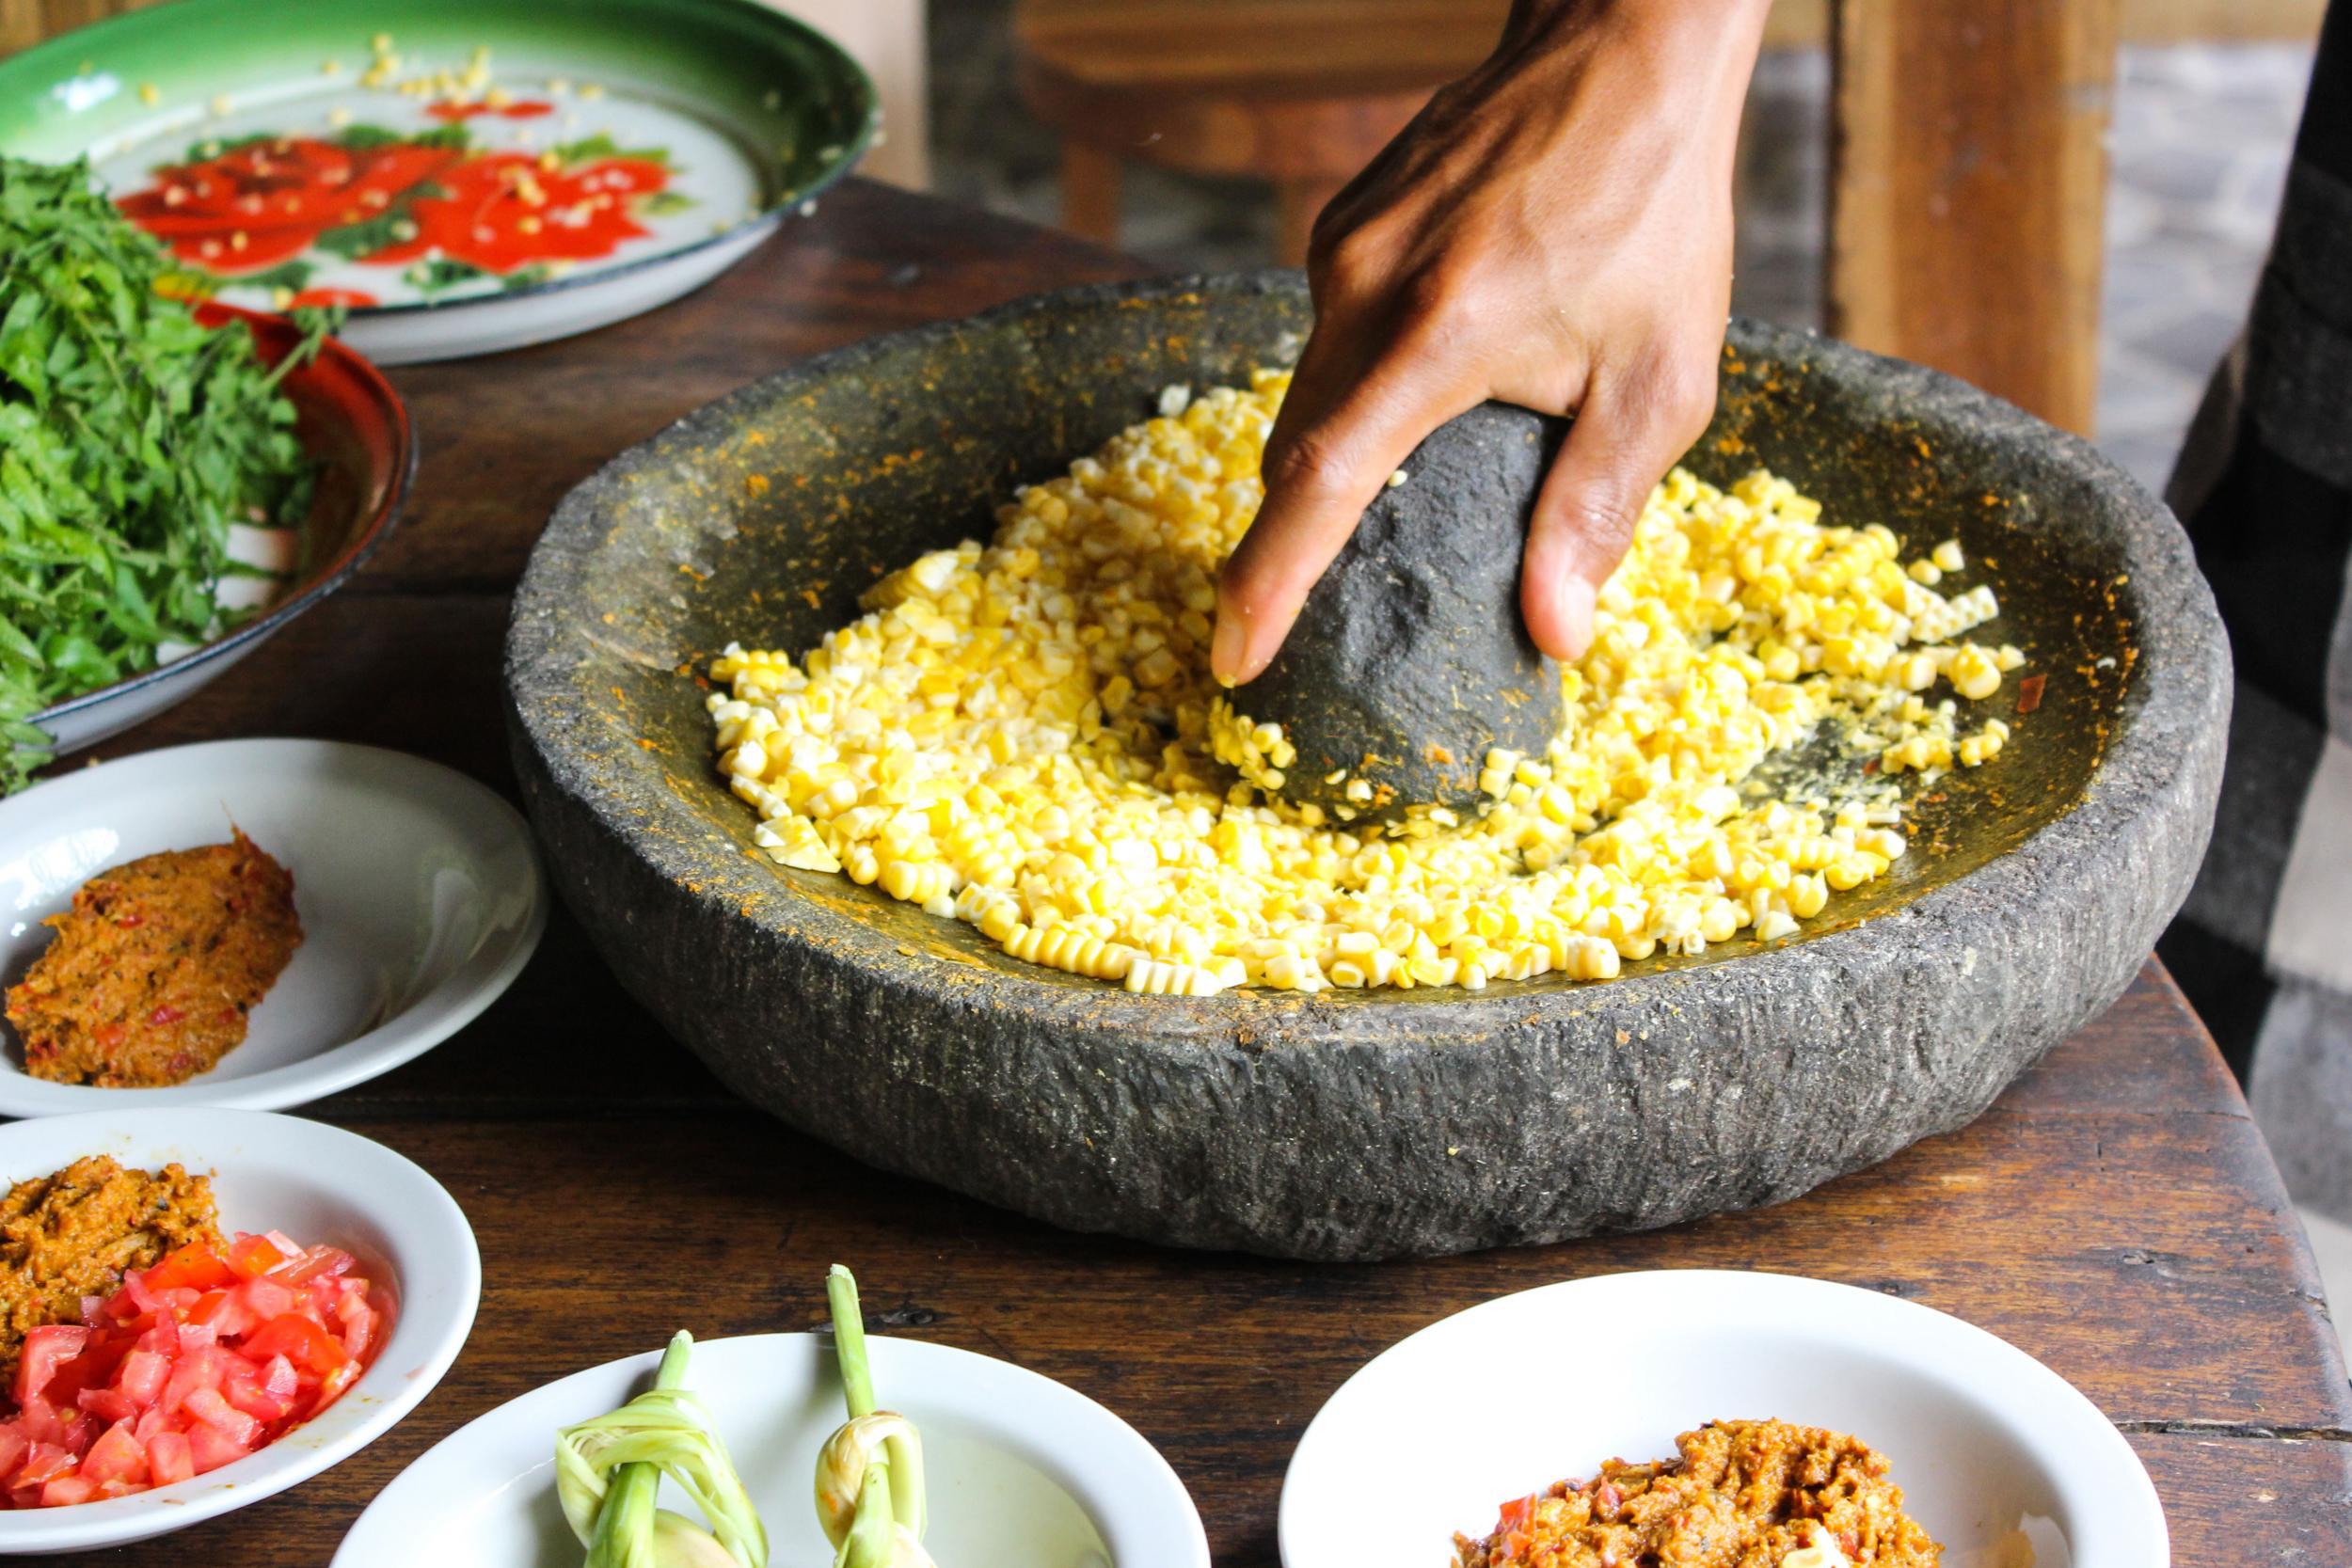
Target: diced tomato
[299,1339]
[150,1301]
[360,1322]
[224,1312]
[141,1377]
[168,1458]
[106,1405]
[335,1383]
[195,1369]
[320,1262]
[252,1256]
[115,1456]
[45,1349]
[192,1364]
[209,1406]
[94,1367]
[268,1298]
[209,1447]
[269,1396]
[40,1422]
[45,1462]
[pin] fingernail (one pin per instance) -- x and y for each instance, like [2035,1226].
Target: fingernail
[1228,647]
[1577,600]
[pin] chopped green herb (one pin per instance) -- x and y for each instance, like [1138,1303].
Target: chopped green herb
[130,439]
[440,274]
[362,136]
[293,275]
[589,149]
[213,147]
[395,223]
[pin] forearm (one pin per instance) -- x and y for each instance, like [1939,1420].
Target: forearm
[1683,55]
[1731,21]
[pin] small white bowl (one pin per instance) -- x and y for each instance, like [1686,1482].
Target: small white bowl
[419,890]
[1020,1469]
[1994,1451]
[318,1184]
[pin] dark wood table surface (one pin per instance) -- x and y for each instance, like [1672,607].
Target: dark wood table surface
[2115,1213]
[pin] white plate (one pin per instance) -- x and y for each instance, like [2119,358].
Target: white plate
[664,138]
[1991,1448]
[317,1183]
[1021,1471]
[419,891]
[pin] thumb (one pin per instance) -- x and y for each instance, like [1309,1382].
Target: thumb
[1621,444]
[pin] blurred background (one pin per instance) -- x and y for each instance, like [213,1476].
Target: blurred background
[2205,95]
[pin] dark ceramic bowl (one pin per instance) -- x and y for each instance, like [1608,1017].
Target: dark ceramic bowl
[1353,1123]
[355,426]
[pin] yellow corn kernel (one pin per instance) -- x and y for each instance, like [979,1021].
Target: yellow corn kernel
[1974,673]
[1022,733]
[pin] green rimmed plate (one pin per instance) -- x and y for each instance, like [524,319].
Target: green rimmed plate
[466,174]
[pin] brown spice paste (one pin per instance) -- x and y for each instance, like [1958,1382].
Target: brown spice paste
[155,966]
[73,1233]
[1742,1495]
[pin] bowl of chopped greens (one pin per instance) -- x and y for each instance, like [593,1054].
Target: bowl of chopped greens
[178,479]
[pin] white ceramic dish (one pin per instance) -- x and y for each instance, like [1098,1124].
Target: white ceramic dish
[317,1183]
[1994,1451]
[1021,1471]
[419,890]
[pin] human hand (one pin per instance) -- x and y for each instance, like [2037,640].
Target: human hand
[1553,230]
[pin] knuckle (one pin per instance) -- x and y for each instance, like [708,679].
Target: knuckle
[1350,257]
[1690,399]
[1309,463]
[1332,228]
[1681,395]
[1436,298]
[1602,514]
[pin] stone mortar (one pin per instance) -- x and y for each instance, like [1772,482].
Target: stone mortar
[1349,1125]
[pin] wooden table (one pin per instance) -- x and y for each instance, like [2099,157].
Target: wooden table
[2115,1214]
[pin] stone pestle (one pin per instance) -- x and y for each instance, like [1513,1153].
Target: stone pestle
[1410,659]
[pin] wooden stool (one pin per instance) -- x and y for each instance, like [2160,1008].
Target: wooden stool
[1298,92]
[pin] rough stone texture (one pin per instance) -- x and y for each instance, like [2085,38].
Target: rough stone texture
[1410,659]
[1352,1124]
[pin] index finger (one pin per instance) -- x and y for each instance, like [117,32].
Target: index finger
[1335,444]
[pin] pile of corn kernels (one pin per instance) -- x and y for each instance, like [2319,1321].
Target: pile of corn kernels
[1025,735]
